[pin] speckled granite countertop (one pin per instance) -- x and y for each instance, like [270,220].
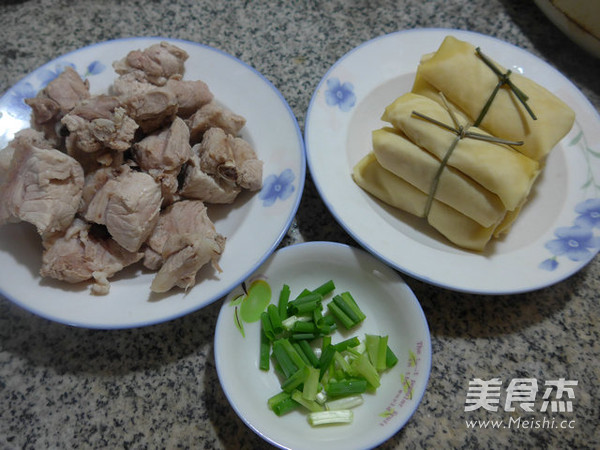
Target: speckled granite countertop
[157,387]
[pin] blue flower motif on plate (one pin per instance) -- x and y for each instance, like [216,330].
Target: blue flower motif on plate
[47,75]
[579,242]
[589,213]
[340,94]
[277,187]
[25,89]
[94,68]
[16,100]
[575,242]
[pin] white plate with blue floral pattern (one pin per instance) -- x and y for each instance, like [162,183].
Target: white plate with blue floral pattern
[558,231]
[254,224]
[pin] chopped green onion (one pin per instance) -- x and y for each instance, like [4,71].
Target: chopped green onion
[325,329]
[362,365]
[346,310]
[295,380]
[282,304]
[326,324]
[377,350]
[382,354]
[264,351]
[305,304]
[372,344]
[300,352]
[283,359]
[317,316]
[285,406]
[309,353]
[325,359]
[340,315]
[311,384]
[344,345]
[349,402]
[282,403]
[330,417]
[324,379]
[292,353]
[341,362]
[361,348]
[345,306]
[288,323]
[354,352]
[321,397]
[275,319]
[304,336]
[353,305]
[277,398]
[390,358]
[304,293]
[325,288]
[346,387]
[325,342]
[304,327]
[305,297]
[266,325]
[311,405]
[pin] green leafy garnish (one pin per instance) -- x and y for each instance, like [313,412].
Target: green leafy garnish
[255,301]
[322,378]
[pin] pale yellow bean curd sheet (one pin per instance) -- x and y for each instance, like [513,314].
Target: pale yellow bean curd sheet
[481,187]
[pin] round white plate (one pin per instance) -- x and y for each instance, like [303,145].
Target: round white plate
[254,225]
[391,309]
[558,230]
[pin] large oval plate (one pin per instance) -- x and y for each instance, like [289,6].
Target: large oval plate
[391,309]
[558,230]
[254,225]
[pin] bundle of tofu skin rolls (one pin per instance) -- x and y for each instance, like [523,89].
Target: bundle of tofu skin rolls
[464,148]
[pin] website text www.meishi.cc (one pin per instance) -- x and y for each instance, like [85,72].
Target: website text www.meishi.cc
[522,423]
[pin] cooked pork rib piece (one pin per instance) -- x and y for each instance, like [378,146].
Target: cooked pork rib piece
[162,154]
[156,64]
[191,95]
[151,109]
[229,158]
[98,160]
[167,149]
[216,155]
[93,183]
[6,155]
[169,184]
[100,132]
[59,97]
[213,115]
[180,268]
[42,186]
[186,240]
[221,166]
[27,136]
[78,254]
[248,167]
[128,203]
[128,84]
[98,123]
[199,185]
[152,260]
